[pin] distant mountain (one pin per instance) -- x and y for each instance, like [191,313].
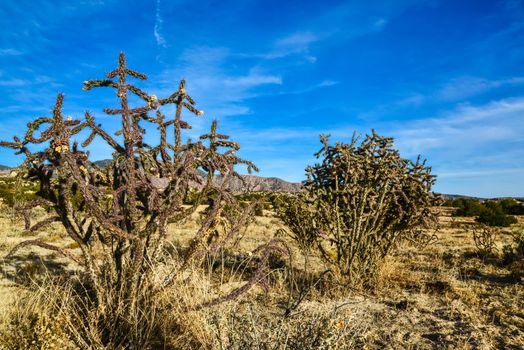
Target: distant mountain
[102,163]
[4,167]
[260,183]
[250,182]
[457,196]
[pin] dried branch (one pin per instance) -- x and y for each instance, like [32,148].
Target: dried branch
[41,244]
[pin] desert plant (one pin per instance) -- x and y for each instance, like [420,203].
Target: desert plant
[512,207]
[514,254]
[467,207]
[484,238]
[118,216]
[360,201]
[494,215]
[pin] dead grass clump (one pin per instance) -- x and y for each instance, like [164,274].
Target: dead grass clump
[244,326]
[62,314]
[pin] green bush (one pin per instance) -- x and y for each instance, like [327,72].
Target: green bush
[467,207]
[492,213]
[15,190]
[512,207]
[360,201]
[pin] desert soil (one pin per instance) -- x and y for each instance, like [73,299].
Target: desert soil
[441,296]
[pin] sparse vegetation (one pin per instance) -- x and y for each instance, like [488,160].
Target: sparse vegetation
[152,250]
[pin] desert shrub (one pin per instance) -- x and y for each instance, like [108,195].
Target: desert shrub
[261,206]
[484,238]
[118,215]
[493,215]
[514,254]
[359,202]
[252,195]
[467,207]
[512,207]
[14,190]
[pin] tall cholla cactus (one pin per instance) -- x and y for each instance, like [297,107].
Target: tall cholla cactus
[118,216]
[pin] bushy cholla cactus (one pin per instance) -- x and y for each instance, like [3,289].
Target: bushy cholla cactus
[358,203]
[118,216]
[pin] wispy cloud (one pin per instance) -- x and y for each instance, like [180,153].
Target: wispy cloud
[477,173]
[458,89]
[466,129]
[157,31]
[10,52]
[17,82]
[307,89]
[251,80]
[13,82]
[380,23]
[326,83]
[297,43]
[464,87]
[224,91]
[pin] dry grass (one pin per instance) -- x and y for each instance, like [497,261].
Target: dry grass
[443,296]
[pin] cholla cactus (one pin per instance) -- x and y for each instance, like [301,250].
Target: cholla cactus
[484,238]
[359,202]
[118,216]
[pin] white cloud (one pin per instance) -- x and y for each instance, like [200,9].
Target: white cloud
[465,130]
[17,82]
[456,89]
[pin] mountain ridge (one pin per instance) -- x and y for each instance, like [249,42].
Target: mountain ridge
[276,184]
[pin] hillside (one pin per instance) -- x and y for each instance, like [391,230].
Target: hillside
[260,183]
[249,183]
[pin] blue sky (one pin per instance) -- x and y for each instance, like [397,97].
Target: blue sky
[444,78]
